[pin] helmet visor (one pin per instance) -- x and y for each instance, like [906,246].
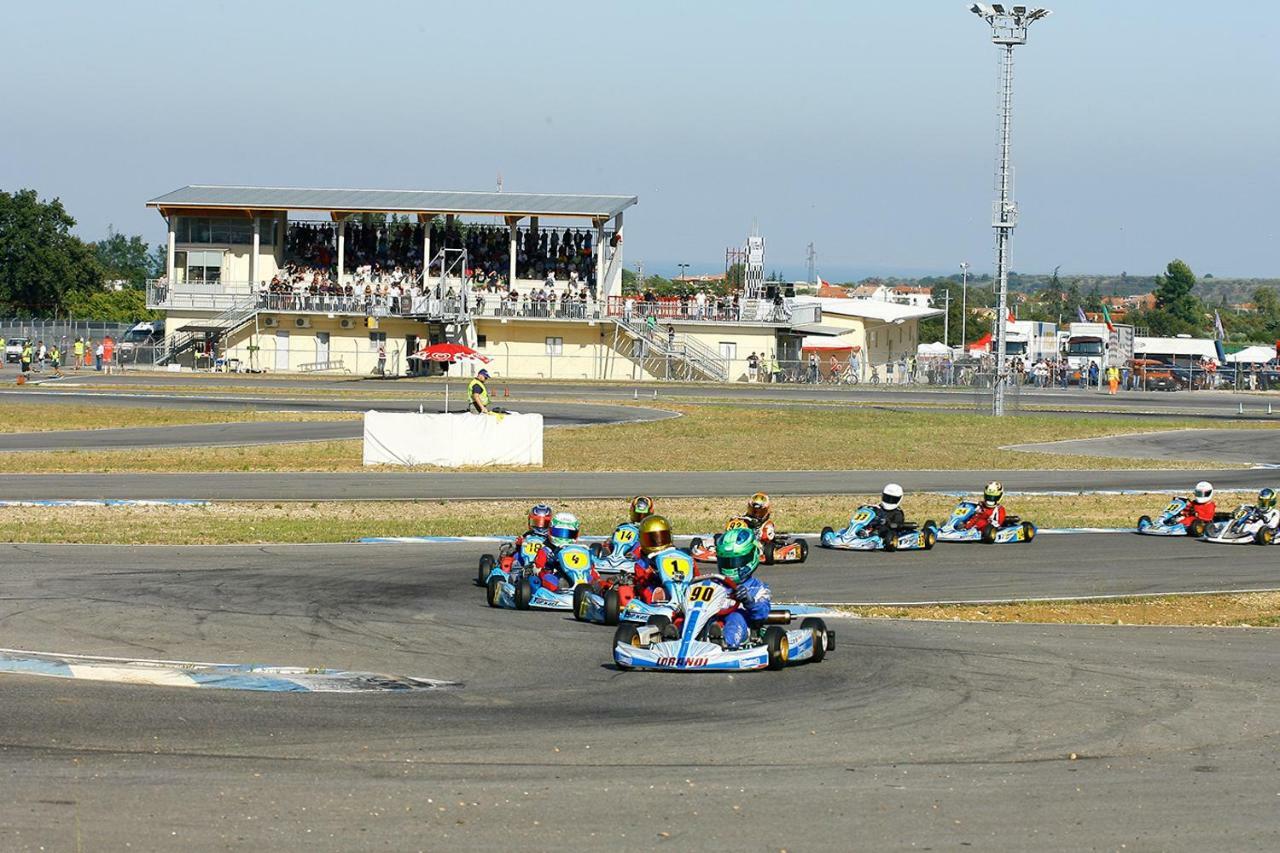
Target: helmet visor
[889,501]
[1203,493]
[559,532]
[731,565]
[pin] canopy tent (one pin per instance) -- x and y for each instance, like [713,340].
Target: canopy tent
[982,344]
[937,348]
[1253,355]
[819,342]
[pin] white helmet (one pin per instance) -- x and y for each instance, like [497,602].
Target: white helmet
[1204,491]
[891,496]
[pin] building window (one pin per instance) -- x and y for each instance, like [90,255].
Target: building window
[377,339]
[555,346]
[266,232]
[728,350]
[201,267]
[481,342]
[213,230]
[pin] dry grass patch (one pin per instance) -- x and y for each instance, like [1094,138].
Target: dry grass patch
[1256,609]
[18,415]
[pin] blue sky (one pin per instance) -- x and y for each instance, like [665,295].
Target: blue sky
[1143,130]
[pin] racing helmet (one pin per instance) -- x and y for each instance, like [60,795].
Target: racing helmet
[1204,491]
[992,494]
[564,529]
[655,535]
[759,506]
[891,496]
[737,555]
[540,519]
[1267,499]
[641,508]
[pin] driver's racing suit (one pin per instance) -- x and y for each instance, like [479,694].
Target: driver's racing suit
[649,587]
[756,600]
[1204,512]
[887,523]
[986,516]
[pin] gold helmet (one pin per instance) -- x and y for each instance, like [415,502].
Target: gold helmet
[759,506]
[655,535]
[641,508]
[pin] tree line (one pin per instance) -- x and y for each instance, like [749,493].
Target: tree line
[47,271]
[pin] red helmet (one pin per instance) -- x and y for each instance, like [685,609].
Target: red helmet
[540,519]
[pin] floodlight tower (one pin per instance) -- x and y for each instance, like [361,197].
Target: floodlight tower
[1008,28]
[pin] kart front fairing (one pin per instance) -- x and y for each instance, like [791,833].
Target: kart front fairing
[1168,523]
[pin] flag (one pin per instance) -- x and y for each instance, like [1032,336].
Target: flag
[1011,318]
[1218,332]
[821,282]
[1106,318]
[1080,314]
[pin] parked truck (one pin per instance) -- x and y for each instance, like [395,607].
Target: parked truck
[1031,340]
[1093,342]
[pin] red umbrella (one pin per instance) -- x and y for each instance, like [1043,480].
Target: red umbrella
[450,353]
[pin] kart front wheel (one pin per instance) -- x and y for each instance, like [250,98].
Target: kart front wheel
[775,637]
[596,549]
[486,566]
[612,606]
[628,634]
[1264,536]
[524,593]
[1144,522]
[929,536]
[493,593]
[663,623]
[581,602]
[825,537]
[819,629]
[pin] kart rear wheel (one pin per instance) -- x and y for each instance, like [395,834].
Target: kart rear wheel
[825,537]
[486,565]
[493,592]
[775,637]
[989,535]
[612,606]
[581,602]
[1197,528]
[890,540]
[766,551]
[524,593]
[1264,536]
[819,629]
[695,544]
[803,547]
[596,549]
[663,623]
[1028,531]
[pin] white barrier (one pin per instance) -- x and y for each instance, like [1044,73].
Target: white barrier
[451,441]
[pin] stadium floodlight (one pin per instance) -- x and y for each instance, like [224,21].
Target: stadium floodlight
[1008,28]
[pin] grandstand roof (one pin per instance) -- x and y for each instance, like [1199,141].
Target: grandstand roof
[393,201]
[869,309]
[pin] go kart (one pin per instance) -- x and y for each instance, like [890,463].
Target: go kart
[508,557]
[859,536]
[1247,526]
[520,589]
[695,642]
[1014,529]
[614,554]
[614,599]
[775,547]
[1169,522]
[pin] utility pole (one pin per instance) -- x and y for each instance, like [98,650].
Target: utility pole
[946,320]
[964,300]
[813,265]
[1008,28]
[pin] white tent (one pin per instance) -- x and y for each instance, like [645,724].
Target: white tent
[1253,355]
[936,348]
[823,342]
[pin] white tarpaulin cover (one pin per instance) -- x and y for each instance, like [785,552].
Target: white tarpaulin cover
[935,348]
[450,441]
[1253,355]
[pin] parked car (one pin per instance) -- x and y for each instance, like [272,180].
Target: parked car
[13,349]
[144,334]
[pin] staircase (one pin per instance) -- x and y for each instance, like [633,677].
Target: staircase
[680,358]
[225,324]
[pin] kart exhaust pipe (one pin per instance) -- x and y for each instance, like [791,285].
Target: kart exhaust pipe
[779,617]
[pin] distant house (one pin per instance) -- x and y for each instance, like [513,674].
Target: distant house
[920,297]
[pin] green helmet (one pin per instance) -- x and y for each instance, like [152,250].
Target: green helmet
[564,529]
[737,555]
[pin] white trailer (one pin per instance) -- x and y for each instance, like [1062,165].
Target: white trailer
[1031,340]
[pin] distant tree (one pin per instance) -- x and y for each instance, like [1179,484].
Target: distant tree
[1175,300]
[123,258]
[110,306]
[40,260]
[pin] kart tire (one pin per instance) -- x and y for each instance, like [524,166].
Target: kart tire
[1264,536]
[694,544]
[1197,528]
[775,637]
[804,550]
[663,624]
[628,634]
[596,549]
[493,592]
[1144,521]
[524,593]
[819,629]
[1028,531]
[890,542]
[766,552]
[580,602]
[988,535]
[486,566]
[825,537]
[929,536]
[612,606]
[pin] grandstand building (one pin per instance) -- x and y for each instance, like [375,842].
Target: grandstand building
[358,281]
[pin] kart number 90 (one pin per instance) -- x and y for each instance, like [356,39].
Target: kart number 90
[702,593]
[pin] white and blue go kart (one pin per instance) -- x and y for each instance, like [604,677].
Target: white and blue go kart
[519,588]
[1169,522]
[858,536]
[1247,526]
[1014,529]
[613,599]
[697,643]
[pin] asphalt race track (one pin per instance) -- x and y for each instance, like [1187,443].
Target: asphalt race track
[289,486]
[908,735]
[1253,446]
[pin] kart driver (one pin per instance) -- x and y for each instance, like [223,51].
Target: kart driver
[657,549]
[989,512]
[564,531]
[1201,506]
[889,519]
[641,508]
[1266,508]
[539,525]
[737,557]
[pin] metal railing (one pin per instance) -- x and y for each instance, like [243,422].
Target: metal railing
[714,310]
